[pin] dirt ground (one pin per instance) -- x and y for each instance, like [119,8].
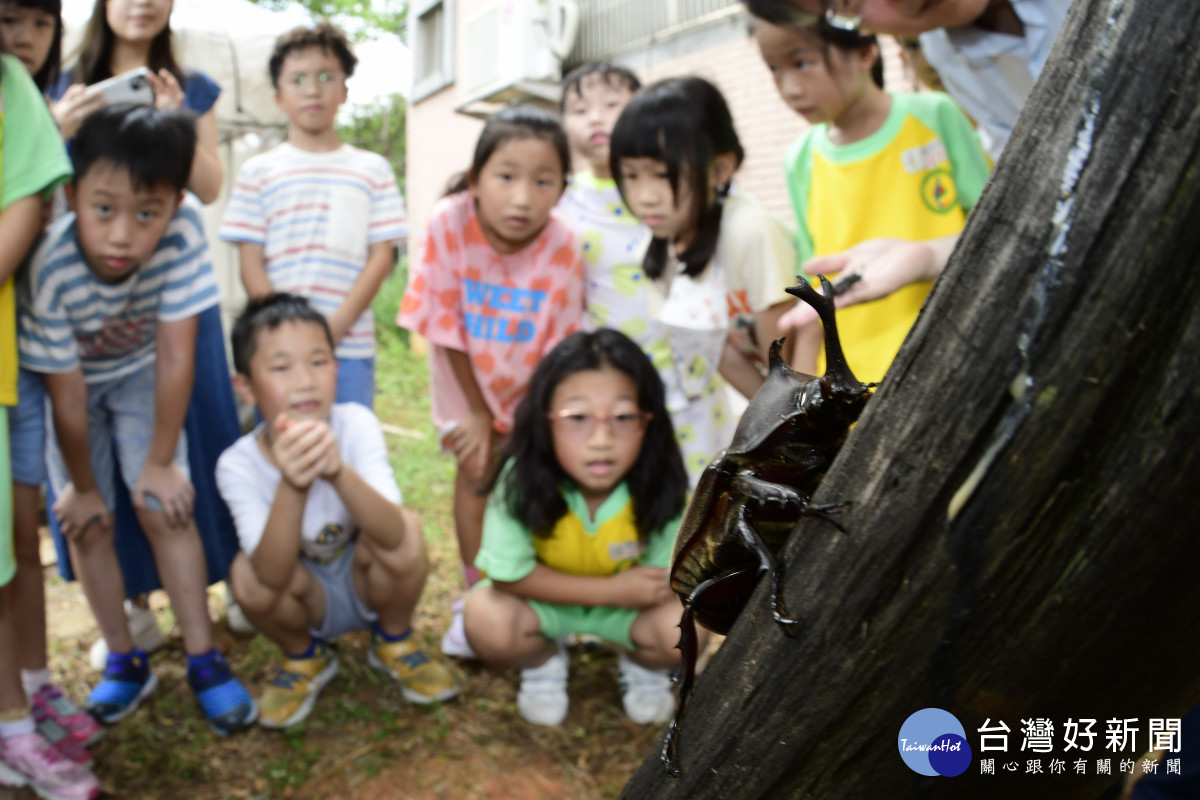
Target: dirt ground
[362,740]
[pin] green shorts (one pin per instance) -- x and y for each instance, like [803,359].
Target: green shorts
[608,622]
[8,559]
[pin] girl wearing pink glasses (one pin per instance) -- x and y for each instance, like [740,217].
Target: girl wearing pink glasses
[579,529]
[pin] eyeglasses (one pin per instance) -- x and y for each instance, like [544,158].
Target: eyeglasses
[845,15]
[580,424]
[299,80]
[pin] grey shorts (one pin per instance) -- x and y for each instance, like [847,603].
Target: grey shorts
[344,609]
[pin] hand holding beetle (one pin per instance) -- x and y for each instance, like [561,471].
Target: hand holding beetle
[882,265]
[302,451]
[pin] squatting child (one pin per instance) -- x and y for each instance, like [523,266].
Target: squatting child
[326,546]
[579,530]
[109,319]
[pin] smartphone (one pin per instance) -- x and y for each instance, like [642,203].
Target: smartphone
[128,87]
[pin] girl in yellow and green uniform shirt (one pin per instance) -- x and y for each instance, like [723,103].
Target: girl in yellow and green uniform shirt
[32,163]
[873,166]
[580,527]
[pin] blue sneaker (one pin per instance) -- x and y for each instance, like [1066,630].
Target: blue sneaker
[127,682]
[226,703]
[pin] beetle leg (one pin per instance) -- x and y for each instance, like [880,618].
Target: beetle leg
[764,491]
[768,564]
[828,512]
[687,675]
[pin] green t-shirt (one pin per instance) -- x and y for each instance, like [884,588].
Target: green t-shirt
[32,161]
[578,545]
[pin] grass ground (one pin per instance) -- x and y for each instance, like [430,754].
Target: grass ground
[363,740]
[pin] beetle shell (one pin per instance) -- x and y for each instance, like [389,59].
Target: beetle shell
[750,498]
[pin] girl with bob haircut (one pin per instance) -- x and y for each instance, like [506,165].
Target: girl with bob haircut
[717,264]
[580,527]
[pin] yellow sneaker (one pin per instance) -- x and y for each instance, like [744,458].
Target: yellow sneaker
[290,696]
[422,679]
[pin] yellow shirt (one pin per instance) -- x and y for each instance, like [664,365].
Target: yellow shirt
[915,178]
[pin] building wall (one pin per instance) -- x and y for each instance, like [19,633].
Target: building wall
[441,141]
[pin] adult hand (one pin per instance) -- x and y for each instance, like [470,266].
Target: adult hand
[641,587]
[71,109]
[167,484]
[882,267]
[167,94]
[472,442]
[76,511]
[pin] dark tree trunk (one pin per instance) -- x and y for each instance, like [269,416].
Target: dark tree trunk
[1056,369]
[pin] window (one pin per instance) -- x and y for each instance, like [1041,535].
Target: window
[432,26]
[609,27]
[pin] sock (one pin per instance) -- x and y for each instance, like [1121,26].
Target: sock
[34,679]
[16,723]
[309,653]
[388,637]
[471,574]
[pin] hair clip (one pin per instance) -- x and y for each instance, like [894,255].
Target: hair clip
[843,22]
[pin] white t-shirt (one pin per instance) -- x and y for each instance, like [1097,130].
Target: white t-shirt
[248,482]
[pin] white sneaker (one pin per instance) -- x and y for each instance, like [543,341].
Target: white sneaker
[454,641]
[645,693]
[235,618]
[542,699]
[143,626]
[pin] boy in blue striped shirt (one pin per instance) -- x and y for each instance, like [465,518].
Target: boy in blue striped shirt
[108,316]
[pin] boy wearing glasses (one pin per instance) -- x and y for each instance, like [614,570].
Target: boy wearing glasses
[314,216]
[325,546]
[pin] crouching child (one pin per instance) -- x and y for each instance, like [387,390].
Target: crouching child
[326,547]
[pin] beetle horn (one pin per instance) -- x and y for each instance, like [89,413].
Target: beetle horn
[836,367]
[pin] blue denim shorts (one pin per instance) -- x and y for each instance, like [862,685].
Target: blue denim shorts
[121,418]
[27,430]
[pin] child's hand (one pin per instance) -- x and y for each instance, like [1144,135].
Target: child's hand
[167,94]
[75,104]
[472,442]
[167,484]
[301,450]
[338,325]
[77,510]
[641,587]
[883,266]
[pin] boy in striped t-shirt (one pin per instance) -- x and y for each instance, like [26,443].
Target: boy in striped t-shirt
[316,217]
[108,315]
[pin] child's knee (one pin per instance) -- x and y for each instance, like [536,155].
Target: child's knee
[251,594]
[498,624]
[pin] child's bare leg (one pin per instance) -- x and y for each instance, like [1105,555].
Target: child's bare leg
[504,630]
[284,615]
[28,591]
[179,557]
[655,633]
[12,694]
[468,515]
[94,556]
[390,580]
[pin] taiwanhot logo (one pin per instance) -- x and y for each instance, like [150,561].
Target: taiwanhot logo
[934,742]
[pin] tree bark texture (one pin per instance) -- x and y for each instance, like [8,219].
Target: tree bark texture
[1054,369]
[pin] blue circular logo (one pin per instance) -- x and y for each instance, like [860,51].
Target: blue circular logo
[934,742]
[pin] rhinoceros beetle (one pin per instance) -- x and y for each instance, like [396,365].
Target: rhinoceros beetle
[752,495]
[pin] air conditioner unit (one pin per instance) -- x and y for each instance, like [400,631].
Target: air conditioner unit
[512,50]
